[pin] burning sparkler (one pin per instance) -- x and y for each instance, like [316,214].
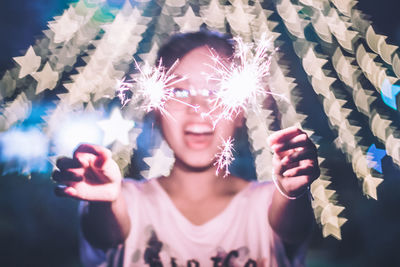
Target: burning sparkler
[241,82]
[225,157]
[153,86]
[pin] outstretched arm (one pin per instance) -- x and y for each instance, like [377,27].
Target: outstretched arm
[295,168]
[93,176]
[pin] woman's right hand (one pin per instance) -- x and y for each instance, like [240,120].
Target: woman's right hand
[90,175]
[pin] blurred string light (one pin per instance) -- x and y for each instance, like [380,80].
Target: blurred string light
[24,151]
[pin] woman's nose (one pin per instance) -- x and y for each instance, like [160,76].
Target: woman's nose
[199,104]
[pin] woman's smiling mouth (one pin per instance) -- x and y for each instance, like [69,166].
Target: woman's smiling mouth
[198,135]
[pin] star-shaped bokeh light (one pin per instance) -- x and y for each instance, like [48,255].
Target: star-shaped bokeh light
[116,128]
[28,63]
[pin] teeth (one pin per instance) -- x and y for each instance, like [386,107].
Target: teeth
[199,129]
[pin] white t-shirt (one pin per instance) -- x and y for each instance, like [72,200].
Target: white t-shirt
[161,236]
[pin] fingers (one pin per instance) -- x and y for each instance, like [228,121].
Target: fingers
[93,155]
[81,165]
[81,191]
[291,145]
[64,163]
[283,136]
[68,170]
[297,176]
[65,191]
[281,142]
[297,154]
[295,168]
[292,158]
[90,175]
[299,141]
[78,174]
[64,176]
[280,167]
[84,156]
[295,185]
[295,159]
[305,167]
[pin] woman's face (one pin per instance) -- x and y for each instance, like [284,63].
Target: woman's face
[192,136]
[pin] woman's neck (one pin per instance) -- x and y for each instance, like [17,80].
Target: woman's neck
[194,184]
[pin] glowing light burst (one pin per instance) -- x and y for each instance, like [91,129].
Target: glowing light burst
[241,82]
[76,130]
[152,88]
[24,151]
[225,157]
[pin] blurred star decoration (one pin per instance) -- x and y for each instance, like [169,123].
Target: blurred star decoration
[46,78]
[116,128]
[65,26]
[162,154]
[352,72]
[28,63]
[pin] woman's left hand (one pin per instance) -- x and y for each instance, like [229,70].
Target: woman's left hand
[295,160]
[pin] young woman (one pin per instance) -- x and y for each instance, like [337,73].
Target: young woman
[194,217]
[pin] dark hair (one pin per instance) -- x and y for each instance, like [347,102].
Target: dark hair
[182,43]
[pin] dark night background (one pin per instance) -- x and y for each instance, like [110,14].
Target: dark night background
[39,229]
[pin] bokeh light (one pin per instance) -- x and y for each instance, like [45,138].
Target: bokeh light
[24,151]
[74,131]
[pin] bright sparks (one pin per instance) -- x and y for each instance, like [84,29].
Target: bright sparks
[123,92]
[241,82]
[152,88]
[225,157]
